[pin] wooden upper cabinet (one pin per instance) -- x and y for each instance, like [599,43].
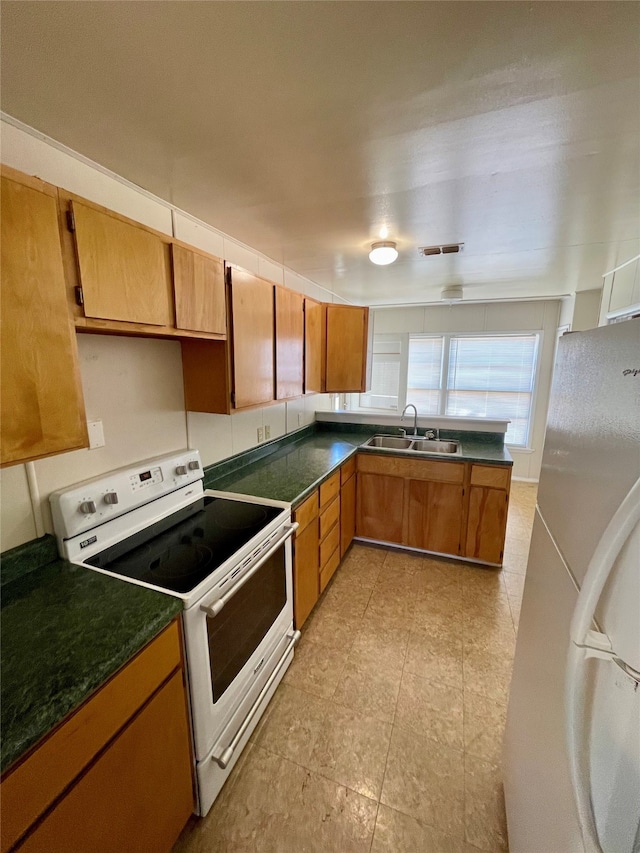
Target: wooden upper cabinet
[314,345]
[199,292]
[289,329]
[124,268]
[347,328]
[42,404]
[252,318]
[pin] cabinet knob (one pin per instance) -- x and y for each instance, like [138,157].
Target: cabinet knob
[87,507]
[181,469]
[111,498]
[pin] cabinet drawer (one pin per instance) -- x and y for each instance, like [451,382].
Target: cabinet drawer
[36,782]
[347,470]
[329,489]
[494,476]
[329,545]
[306,512]
[329,570]
[412,468]
[329,516]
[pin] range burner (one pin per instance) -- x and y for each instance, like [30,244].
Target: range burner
[178,552]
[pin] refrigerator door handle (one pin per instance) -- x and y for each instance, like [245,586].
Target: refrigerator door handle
[588,643]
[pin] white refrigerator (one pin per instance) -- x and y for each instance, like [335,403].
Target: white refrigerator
[572,740]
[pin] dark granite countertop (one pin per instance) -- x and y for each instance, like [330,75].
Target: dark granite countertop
[294,469]
[65,630]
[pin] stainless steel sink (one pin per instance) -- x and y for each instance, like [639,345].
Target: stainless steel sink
[389,442]
[420,446]
[435,446]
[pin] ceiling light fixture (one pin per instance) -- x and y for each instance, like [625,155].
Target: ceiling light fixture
[383,253]
[453,293]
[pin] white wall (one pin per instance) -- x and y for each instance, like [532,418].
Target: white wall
[539,316]
[134,385]
[621,289]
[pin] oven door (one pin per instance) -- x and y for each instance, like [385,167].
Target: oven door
[231,636]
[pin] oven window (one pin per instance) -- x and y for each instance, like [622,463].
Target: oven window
[236,632]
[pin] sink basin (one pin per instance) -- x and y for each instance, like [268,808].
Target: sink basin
[430,446]
[416,445]
[389,442]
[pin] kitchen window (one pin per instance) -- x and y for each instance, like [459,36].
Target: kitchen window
[477,375]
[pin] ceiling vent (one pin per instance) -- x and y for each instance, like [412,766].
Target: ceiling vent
[449,249]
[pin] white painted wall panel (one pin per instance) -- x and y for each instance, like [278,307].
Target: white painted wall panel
[35,156]
[244,429]
[510,316]
[295,414]
[271,271]
[211,435]
[454,318]
[234,253]
[17,524]
[134,386]
[275,417]
[399,320]
[198,234]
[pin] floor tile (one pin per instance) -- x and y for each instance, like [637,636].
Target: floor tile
[351,749]
[330,628]
[385,640]
[487,674]
[368,686]
[495,636]
[484,721]
[398,833]
[484,815]
[434,658]
[348,600]
[390,603]
[425,780]
[430,708]
[291,723]
[315,669]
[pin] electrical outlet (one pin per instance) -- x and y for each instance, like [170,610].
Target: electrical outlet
[267,431]
[300,416]
[260,434]
[96,434]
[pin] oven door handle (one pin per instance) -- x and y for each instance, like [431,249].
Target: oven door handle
[222,758]
[215,608]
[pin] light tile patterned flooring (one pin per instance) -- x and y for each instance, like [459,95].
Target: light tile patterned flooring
[385,735]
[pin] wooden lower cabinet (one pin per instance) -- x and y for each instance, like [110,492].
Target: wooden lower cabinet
[380,512]
[347,514]
[435,516]
[117,774]
[306,556]
[137,796]
[488,505]
[446,507]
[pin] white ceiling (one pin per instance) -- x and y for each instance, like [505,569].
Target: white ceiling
[303,128]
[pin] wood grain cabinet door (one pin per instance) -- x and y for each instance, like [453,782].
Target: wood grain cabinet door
[314,346]
[252,317]
[346,354]
[124,269]
[289,318]
[380,502]
[306,569]
[487,524]
[435,516]
[42,404]
[347,514]
[199,292]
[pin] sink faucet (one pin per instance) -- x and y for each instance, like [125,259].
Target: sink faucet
[415,417]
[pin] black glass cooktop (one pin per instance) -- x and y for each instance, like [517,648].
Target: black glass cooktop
[178,552]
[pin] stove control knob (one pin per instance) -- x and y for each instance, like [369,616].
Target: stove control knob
[193,466]
[111,498]
[87,507]
[181,470]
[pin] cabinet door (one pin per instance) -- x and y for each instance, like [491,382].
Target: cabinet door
[314,343]
[124,269]
[42,405]
[199,292]
[289,343]
[487,524]
[346,357]
[305,572]
[253,350]
[435,516]
[347,514]
[380,502]
[138,795]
